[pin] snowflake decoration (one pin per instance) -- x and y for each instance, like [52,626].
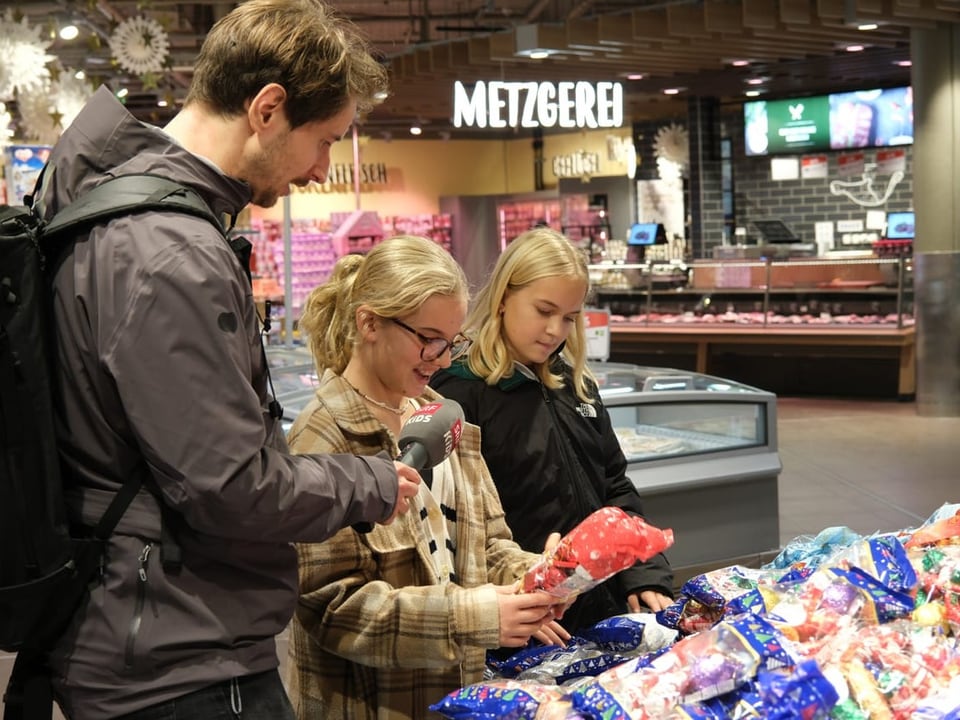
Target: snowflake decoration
[46,112]
[672,148]
[5,120]
[140,45]
[23,56]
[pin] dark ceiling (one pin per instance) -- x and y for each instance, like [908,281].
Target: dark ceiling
[792,46]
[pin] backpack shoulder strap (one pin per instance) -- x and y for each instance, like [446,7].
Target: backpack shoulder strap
[127,194]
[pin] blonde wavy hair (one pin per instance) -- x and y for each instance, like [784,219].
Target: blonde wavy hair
[394,279]
[536,254]
[319,57]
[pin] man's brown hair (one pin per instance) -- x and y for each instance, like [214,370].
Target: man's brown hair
[319,58]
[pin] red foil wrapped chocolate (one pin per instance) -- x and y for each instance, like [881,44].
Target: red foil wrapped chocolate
[604,543]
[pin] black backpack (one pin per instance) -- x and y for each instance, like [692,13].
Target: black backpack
[44,572]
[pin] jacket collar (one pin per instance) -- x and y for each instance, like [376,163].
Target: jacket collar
[106,140]
[521,375]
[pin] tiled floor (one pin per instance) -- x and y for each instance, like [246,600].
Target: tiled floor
[869,465]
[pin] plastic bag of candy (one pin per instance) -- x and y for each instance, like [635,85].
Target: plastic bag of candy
[593,650]
[707,598]
[806,551]
[890,670]
[883,557]
[945,531]
[781,694]
[695,669]
[499,699]
[604,543]
[938,586]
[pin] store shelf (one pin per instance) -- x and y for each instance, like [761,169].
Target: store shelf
[515,218]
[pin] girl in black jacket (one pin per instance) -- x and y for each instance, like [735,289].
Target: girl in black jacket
[546,436]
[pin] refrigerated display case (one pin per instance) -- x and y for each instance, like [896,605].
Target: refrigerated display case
[702,452]
[803,326]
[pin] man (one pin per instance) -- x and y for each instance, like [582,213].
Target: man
[162,375]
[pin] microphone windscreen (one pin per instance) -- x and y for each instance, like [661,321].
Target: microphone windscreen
[436,427]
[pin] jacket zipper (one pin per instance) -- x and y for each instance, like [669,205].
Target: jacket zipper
[578,491]
[567,460]
[137,618]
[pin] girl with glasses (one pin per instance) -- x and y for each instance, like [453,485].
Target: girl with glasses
[392,620]
[547,438]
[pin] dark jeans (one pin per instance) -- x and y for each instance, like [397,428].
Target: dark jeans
[253,697]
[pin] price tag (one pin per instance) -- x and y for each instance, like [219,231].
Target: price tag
[597,328]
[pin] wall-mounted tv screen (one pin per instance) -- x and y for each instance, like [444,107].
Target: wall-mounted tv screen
[840,121]
[647,234]
[900,225]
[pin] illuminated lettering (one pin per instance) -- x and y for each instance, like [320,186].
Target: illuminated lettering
[499,104]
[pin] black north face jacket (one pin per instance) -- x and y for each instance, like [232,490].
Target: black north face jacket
[554,459]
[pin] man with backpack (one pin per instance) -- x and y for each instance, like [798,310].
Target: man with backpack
[160,377]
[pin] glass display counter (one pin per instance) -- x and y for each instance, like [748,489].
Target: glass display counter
[702,452]
[820,326]
[294,379]
[839,293]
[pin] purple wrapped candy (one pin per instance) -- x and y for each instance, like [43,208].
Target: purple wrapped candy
[839,597]
[711,674]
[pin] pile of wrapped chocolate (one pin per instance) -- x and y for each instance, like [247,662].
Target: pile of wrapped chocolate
[837,626]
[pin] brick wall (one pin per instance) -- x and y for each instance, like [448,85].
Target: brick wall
[798,203]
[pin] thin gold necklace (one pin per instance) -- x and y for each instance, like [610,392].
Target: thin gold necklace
[390,408]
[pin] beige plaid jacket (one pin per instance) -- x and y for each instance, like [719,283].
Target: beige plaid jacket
[374,635]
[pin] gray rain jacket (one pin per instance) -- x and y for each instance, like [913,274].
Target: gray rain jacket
[161,375]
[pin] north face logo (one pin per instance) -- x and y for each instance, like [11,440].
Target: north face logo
[587,410]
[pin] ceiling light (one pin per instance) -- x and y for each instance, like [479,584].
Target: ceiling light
[752,93]
[671,91]
[538,41]
[634,76]
[415,130]
[69,32]
[739,63]
[161,103]
[854,48]
[868,26]
[755,81]
[904,63]
[80,75]
[122,92]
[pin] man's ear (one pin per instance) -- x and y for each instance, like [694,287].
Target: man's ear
[266,110]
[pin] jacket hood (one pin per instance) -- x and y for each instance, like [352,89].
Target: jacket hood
[105,140]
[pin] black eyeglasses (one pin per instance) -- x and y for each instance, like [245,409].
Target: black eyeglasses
[432,348]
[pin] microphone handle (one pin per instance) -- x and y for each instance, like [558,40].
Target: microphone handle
[415,455]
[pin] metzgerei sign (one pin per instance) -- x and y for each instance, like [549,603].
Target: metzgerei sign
[497,104]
